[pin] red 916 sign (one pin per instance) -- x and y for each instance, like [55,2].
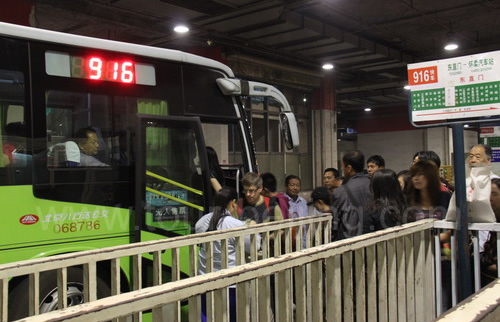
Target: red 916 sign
[421,76]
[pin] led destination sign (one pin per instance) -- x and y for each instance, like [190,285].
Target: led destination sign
[99,68]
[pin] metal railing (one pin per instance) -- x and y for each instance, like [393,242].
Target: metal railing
[474,229]
[481,306]
[385,275]
[316,229]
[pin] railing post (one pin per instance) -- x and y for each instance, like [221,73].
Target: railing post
[62,289]
[4,299]
[34,293]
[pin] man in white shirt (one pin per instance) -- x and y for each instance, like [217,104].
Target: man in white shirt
[479,156]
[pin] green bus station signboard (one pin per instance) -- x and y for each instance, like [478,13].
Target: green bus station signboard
[465,87]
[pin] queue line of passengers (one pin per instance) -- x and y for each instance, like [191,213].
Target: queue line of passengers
[361,202]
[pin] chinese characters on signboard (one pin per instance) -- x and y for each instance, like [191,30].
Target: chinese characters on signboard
[455,88]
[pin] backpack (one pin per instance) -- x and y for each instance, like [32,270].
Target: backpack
[268,204]
[283,203]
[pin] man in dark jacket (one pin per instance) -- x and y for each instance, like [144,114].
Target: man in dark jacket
[351,198]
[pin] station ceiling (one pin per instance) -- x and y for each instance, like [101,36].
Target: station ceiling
[370,42]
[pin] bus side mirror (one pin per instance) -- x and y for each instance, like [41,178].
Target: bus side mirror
[289,130]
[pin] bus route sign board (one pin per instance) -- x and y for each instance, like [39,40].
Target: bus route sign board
[465,87]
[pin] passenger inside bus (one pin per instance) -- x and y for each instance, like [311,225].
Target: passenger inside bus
[89,146]
[14,144]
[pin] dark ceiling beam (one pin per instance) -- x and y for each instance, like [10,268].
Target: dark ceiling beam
[108,14]
[209,8]
[366,94]
[362,43]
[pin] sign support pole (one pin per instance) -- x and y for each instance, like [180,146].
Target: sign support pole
[464,268]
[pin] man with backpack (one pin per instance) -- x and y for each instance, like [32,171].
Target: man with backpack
[255,206]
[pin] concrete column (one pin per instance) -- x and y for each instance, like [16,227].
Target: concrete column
[324,120]
[437,139]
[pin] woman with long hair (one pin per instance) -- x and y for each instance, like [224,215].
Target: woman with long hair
[216,174]
[388,205]
[427,199]
[225,212]
[425,196]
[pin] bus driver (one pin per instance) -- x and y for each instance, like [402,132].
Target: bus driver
[89,146]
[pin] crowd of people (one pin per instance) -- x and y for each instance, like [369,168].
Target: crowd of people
[366,198]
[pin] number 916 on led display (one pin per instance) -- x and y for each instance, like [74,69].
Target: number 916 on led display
[111,68]
[97,68]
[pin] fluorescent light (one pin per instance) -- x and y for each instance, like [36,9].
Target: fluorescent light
[181,29]
[451,46]
[368,109]
[466,125]
[327,66]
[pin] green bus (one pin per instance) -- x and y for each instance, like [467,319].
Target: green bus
[152,112]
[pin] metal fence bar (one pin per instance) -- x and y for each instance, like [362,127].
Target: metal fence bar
[194,302]
[264,299]
[419,251]
[476,266]
[438,272]
[429,277]
[451,226]
[317,290]
[300,294]
[410,279]
[62,290]
[360,284]
[392,288]
[34,293]
[4,293]
[137,280]
[337,288]
[482,306]
[115,276]
[382,281]
[347,286]
[329,292]
[401,272]
[371,280]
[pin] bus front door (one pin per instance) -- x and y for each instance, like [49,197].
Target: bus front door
[172,181]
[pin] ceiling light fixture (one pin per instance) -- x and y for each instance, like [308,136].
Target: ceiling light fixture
[451,42]
[368,109]
[181,29]
[327,66]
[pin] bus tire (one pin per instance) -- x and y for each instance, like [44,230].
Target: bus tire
[19,295]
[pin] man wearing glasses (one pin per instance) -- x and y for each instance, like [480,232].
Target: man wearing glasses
[255,206]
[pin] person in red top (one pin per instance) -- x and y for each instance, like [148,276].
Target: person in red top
[269,185]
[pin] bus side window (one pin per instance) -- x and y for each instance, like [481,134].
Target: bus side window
[15,160]
[63,155]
